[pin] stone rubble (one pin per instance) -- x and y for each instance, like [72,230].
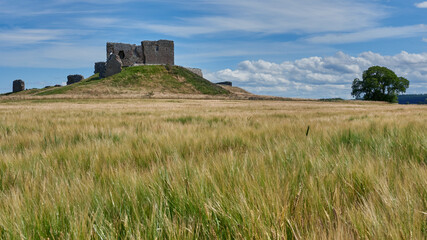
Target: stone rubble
[74,78]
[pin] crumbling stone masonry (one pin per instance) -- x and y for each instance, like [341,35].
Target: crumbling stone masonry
[227,83]
[149,52]
[18,85]
[129,54]
[197,71]
[113,66]
[74,79]
[99,67]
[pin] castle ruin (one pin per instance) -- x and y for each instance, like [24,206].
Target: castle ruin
[149,52]
[161,52]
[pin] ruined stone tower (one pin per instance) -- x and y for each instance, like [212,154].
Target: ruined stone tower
[149,52]
[18,85]
[158,52]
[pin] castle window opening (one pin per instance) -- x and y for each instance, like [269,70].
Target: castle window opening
[157,48]
[121,54]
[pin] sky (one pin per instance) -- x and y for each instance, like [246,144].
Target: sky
[289,48]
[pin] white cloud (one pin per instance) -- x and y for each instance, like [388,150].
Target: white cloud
[371,34]
[91,1]
[26,36]
[267,17]
[320,77]
[421,5]
[424,39]
[61,8]
[54,56]
[100,21]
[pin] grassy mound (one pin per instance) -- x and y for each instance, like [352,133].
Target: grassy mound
[150,80]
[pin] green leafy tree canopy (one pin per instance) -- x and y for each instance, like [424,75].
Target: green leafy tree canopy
[379,84]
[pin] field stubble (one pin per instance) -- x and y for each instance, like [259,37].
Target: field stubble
[108,169]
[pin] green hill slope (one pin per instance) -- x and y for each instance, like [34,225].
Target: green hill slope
[153,80]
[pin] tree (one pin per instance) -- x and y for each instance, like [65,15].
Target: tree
[379,84]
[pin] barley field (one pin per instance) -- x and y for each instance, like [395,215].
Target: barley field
[209,169]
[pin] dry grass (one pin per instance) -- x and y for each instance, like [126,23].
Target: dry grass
[178,169]
[113,93]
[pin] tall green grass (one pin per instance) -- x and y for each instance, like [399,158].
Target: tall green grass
[144,169]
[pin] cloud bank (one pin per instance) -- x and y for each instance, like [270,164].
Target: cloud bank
[370,34]
[321,77]
[421,5]
[267,17]
[30,36]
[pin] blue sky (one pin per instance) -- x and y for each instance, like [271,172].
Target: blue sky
[292,48]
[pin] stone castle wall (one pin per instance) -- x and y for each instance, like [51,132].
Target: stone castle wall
[158,52]
[129,53]
[197,71]
[149,52]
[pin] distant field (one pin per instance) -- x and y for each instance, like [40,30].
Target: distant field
[179,169]
[413,99]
